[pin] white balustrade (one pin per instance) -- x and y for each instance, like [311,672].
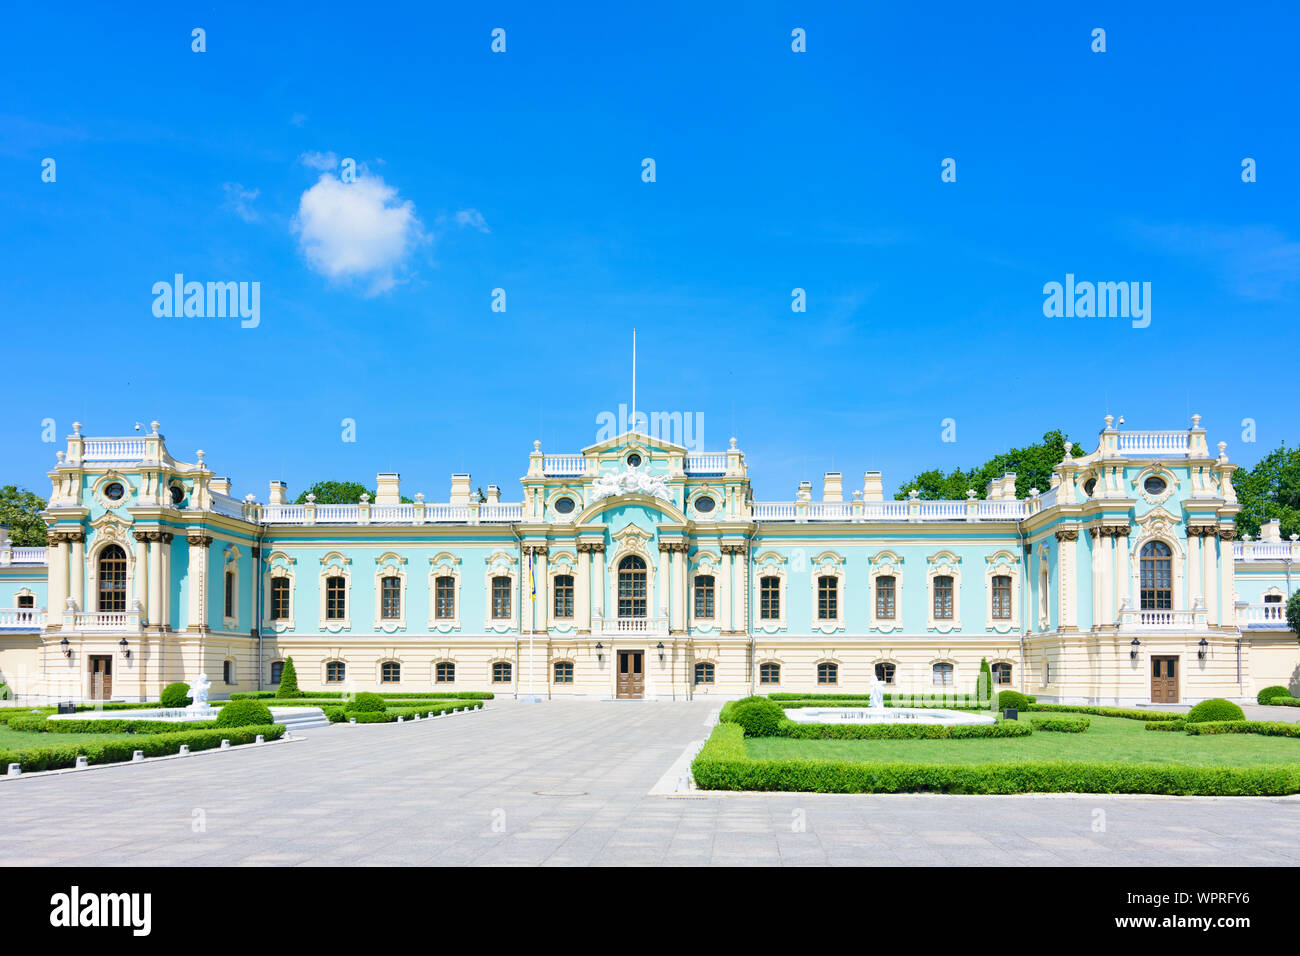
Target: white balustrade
[1261,550]
[446,513]
[1009,510]
[1154,443]
[1262,615]
[884,510]
[90,621]
[29,556]
[226,505]
[392,514]
[25,618]
[284,514]
[774,511]
[338,514]
[648,626]
[710,463]
[113,449]
[1148,620]
[501,511]
[563,465]
[829,511]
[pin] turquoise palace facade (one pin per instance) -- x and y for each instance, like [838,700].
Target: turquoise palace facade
[638,569]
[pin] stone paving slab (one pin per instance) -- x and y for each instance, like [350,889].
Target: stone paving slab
[567,783]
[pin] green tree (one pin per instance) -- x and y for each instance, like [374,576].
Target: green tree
[984,683]
[1032,464]
[336,493]
[288,681]
[1270,490]
[20,512]
[1293,613]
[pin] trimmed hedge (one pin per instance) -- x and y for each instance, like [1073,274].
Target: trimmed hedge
[724,764]
[1266,695]
[244,713]
[365,703]
[1267,728]
[1152,715]
[1172,726]
[757,716]
[40,724]
[338,715]
[1061,725]
[1216,708]
[1011,698]
[1001,728]
[387,695]
[1284,701]
[288,681]
[113,751]
[176,694]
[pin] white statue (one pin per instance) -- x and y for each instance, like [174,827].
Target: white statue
[632,481]
[199,693]
[877,693]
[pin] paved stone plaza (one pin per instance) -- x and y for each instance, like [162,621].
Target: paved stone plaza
[569,783]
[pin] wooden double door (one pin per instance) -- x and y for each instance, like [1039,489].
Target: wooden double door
[101,676]
[631,674]
[1164,680]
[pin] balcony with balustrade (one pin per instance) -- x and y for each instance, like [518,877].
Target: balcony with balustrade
[649,627]
[21,619]
[1262,617]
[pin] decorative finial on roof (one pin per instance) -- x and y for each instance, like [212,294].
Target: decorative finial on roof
[154,425]
[733,443]
[1196,421]
[76,429]
[537,445]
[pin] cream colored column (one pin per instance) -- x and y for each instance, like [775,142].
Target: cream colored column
[677,557]
[166,575]
[196,616]
[1095,570]
[77,569]
[157,615]
[1123,570]
[724,591]
[542,609]
[1107,582]
[1067,600]
[142,573]
[684,578]
[663,583]
[1227,609]
[1193,567]
[738,588]
[582,590]
[57,558]
[598,583]
[1209,555]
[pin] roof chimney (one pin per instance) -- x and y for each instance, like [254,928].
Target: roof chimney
[388,489]
[278,494]
[460,489]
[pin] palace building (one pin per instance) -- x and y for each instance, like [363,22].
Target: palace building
[638,569]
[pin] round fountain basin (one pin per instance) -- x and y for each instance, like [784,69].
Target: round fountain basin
[884,715]
[175,714]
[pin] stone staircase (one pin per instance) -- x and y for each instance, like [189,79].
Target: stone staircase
[299,718]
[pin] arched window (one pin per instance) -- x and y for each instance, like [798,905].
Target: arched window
[704,596]
[390,672]
[1002,673]
[228,672]
[769,595]
[769,673]
[885,672]
[828,673]
[1157,577]
[563,596]
[941,675]
[335,672]
[112,579]
[631,587]
[501,672]
[704,673]
[564,672]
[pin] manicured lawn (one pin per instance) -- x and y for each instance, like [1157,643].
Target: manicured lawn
[20,740]
[1107,739]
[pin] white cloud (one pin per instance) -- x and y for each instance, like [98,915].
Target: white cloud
[472,218]
[240,201]
[357,231]
[321,161]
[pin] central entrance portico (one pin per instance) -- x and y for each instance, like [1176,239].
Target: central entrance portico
[631,675]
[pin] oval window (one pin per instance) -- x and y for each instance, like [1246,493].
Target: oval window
[114,491]
[564,506]
[1155,485]
[1090,486]
[704,504]
[634,460]
[178,494]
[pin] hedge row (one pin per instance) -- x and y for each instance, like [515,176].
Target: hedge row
[1002,728]
[1268,728]
[723,764]
[1061,725]
[113,751]
[1282,702]
[43,725]
[389,695]
[338,715]
[1173,726]
[1151,715]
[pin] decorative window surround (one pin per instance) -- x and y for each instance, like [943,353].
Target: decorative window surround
[565,491]
[390,565]
[500,564]
[230,565]
[108,530]
[890,565]
[335,565]
[891,662]
[773,565]
[706,491]
[446,564]
[129,491]
[1157,525]
[937,565]
[562,563]
[828,564]
[1002,563]
[379,670]
[1138,483]
[280,565]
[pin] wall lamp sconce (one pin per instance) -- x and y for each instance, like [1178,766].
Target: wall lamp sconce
[600,656]
[126,651]
[1134,644]
[1204,646]
[67,647]
[660,649]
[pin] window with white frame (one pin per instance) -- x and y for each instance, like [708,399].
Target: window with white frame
[944,579]
[885,577]
[280,585]
[335,588]
[1002,589]
[444,593]
[828,586]
[941,674]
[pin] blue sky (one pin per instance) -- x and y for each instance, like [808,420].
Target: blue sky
[775,170]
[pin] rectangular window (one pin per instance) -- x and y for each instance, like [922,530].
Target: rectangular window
[279,599]
[943,598]
[336,599]
[228,671]
[501,598]
[564,672]
[501,672]
[390,672]
[828,598]
[277,669]
[769,673]
[27,600]
[941,675]
[230,594]
[704,597]
[444,672]
[1002,673]
[769,593]
[391,598]
[563,596]
[1001,597]
[885,598]
[444,597]
[335,672]
[704,673]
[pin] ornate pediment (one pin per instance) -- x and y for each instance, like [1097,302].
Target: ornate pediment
[631,481]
